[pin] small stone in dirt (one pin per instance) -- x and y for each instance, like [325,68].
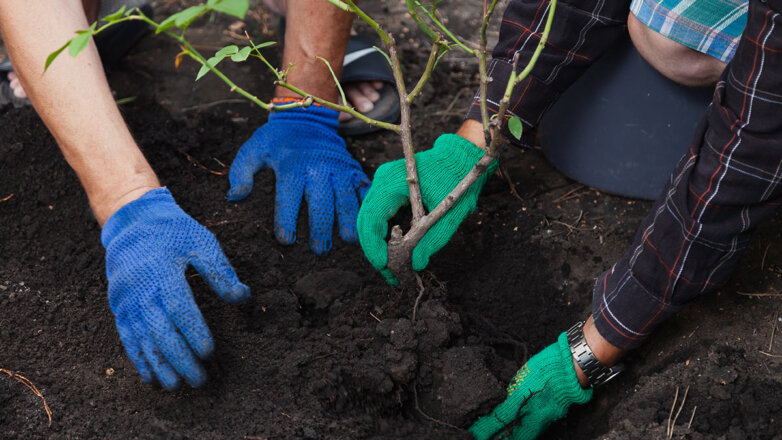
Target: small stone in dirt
[320,289]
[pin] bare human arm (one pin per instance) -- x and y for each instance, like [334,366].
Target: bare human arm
[74,101]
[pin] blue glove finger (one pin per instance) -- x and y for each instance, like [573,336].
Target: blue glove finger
[320,201]
[164,373]
[286,208]
[248,161]
[184,313]
[363,184]
[347,209]
[173,346]
[210,261]
[133,350]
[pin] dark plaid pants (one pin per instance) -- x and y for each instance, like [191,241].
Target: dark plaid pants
[726,184]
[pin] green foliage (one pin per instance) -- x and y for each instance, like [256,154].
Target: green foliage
[515,127]
[78,43]
[182,19]
[237,55]
[237,8]
[115,16]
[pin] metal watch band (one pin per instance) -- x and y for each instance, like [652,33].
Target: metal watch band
[596,372]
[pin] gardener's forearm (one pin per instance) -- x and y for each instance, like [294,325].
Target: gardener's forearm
[75,102]
[314,29]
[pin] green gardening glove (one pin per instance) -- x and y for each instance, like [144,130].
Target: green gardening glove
[548,381]
[439,170]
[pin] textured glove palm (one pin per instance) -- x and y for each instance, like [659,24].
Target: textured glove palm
[309,159]
[549,385]
[439,170]
[149,243]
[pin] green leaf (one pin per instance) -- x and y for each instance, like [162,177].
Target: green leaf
[205,68]
[184,18]
[515,126]
[81,41]
[115,16]
[264,44]
[227,50]
[54,55]
[241,55]
[166,24]
[237,8]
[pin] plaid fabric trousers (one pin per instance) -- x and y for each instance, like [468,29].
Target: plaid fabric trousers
[726,184]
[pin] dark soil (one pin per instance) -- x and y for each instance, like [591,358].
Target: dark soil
[324,349]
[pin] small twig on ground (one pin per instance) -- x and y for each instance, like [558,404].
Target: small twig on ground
[210,223]
[763,260]
[506,175]
[773,330]
[6,198]
[31,386]
[692,416]
[670,415]
[203,167]
[672,425]
[769,354]
[774,293]
[373,315]
[421,290]
[564,197]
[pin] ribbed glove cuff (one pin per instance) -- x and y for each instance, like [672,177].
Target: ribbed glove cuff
[569,391]
[315,113]
[152,205]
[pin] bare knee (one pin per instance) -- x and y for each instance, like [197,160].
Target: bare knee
[674,60]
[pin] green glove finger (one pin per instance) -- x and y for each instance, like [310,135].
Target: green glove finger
[389,276]
[386,196]
[440,233]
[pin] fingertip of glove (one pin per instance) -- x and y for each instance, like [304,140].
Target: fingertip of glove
[238,192]
[320,247]
[197,377]
[284,235]
[389,276]
[169,380]
[236,294]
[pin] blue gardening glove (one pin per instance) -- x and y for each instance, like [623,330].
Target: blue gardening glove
[149,243]
[309,159]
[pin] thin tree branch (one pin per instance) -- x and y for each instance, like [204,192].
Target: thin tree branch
[437,46]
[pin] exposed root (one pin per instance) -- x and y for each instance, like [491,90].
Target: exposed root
[29,384]
[421,290]
[427,416]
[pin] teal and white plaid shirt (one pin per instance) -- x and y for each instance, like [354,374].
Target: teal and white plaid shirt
[712,27]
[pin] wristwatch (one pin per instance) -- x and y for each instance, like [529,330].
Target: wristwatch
[597,373]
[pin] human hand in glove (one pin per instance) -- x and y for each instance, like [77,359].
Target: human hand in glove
[149,243]
[310,160]
[439,171]
[540,393]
